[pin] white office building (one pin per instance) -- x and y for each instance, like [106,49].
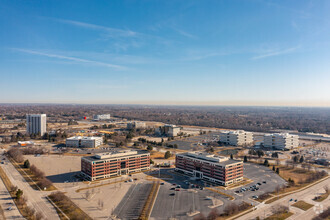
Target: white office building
[36,124]
[236,138]
[88,142]
[136,124]
[168,130]
[281,141]
[101,117]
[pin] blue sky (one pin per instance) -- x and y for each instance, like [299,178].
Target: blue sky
[251,52]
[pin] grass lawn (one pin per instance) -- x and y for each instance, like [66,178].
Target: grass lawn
[297,174]
[303,205]
[321,197]
[220,192]
[280,216]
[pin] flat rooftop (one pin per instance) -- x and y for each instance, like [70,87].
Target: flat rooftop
[82,138]
[115,154]
[282,135]
[210,158]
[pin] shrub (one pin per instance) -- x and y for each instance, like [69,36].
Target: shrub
[27,164]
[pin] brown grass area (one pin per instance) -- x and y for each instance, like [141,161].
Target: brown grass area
[2,213]
[321,197]
[279,216]
[220,192]
[68,207]
[297,174]
[147,208]
[268,196]
[303,205]
[159,155]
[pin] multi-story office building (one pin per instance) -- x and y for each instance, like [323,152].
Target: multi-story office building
[36,124]
[101,117]
[236,138]
[216,169]
[281,141]
[114,163]
[136,124]
[168,130]
[79,141]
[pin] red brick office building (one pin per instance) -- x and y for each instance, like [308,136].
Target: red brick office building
[212,168]
[114,163]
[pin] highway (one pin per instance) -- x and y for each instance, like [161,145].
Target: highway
[263,210]
[35,199]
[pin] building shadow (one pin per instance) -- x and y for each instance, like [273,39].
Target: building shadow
[64,177]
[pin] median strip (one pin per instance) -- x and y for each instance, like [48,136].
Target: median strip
[149,204]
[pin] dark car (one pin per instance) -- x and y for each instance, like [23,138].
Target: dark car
[172,194]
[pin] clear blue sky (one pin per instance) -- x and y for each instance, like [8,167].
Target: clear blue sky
[249,52]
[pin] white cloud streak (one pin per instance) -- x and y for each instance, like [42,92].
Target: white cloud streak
[275,53]
[112,32]
[80,60]
[184,33]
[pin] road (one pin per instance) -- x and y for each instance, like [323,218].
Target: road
[35,199]
[6,201]
[264,210]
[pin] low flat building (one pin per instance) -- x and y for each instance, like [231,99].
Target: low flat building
[236,138]
[25,143]
[115,163]
[136,124]
[88,142]
[281,141]
[168,130]
[101,117]
[212,168]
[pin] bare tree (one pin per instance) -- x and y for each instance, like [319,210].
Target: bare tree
[214,213]
[278,209]
[39,216]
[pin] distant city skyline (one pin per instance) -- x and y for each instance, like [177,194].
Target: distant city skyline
[254,52]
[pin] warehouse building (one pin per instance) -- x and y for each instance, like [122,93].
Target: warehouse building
[281,141]
[212,168]
[88,142]
[236,138]
[116,163]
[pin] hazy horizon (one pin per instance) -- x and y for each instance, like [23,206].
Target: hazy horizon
[210,104]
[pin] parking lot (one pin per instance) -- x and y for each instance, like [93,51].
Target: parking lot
[258,174]
[195,142]
[177,204]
